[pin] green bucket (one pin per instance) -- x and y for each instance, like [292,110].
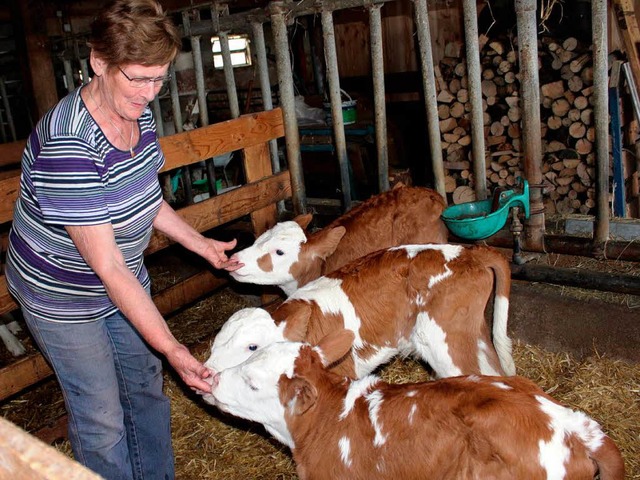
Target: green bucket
[349,112]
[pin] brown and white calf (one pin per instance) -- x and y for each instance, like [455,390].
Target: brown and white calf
[470,427]
[288,257]
[424,300]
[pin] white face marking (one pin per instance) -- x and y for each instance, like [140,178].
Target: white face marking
[282,243]
[327,293]
[412,412]
[250,390]
[357,389]
[374,399]
[430,342]
[483,361]
[245,332]
[344,445]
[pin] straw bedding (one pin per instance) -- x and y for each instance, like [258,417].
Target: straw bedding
[211,445]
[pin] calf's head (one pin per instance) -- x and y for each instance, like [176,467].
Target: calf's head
[268,386]
[246,331]
[250,329]
[285,257]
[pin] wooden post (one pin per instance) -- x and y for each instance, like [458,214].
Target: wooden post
[39,69]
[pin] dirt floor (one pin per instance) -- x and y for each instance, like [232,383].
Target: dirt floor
[567,340]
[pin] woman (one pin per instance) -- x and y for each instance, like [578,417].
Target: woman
[89,198]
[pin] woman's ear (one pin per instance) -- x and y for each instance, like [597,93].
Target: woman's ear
[98,65]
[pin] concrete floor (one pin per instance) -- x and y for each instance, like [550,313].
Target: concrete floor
[567,320]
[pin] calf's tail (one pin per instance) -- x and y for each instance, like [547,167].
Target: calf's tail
[609,461]
[501,341]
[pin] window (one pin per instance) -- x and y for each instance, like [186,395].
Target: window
[239,47]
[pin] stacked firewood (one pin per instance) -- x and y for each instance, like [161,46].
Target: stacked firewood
[566,79]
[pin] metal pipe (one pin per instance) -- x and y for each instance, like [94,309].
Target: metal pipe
[379,101]
[429,87]
[175,100]
[287,102]
[633,88]
[238,21]
[177,121]
[157,115]
[335,98]
[601,120]
[196,53]
[230,80]
[571,245]
[7,108]
[470,13]
[577,277]
[84,68]
[260,51]
[531,131]
[68,74]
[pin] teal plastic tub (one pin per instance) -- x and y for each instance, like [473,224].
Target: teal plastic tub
[483,218]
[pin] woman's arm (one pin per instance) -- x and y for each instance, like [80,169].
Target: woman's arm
[177,229]
[97,246]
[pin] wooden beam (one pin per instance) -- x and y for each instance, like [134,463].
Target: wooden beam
[23,373]
[229,206]
[257,165]
[630,32]
[9,188]
[187,291]
[11,153]
[39,69]
[24,456]
[206,142]
[6,300]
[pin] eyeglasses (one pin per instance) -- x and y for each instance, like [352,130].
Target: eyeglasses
[141,82]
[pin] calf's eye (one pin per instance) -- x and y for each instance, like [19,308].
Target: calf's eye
[279,253]
[253,348]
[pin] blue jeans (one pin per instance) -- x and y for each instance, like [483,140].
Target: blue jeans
[119,418]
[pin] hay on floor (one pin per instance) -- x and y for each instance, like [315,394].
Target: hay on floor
[210,445]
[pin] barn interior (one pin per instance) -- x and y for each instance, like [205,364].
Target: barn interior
[280,108]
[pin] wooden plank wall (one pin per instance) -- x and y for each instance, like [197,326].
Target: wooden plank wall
[399,40]
[248,133]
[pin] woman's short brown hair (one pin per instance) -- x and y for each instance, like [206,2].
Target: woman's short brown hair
[134,32]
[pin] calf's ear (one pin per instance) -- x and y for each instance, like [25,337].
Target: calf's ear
[334,346]
[303,220]
[326,242]
[298,395]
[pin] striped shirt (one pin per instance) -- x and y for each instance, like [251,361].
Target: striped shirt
[72,175]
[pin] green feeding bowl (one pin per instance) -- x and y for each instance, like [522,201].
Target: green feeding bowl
[481,219]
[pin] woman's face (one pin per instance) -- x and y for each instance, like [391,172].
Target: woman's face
[129,88]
